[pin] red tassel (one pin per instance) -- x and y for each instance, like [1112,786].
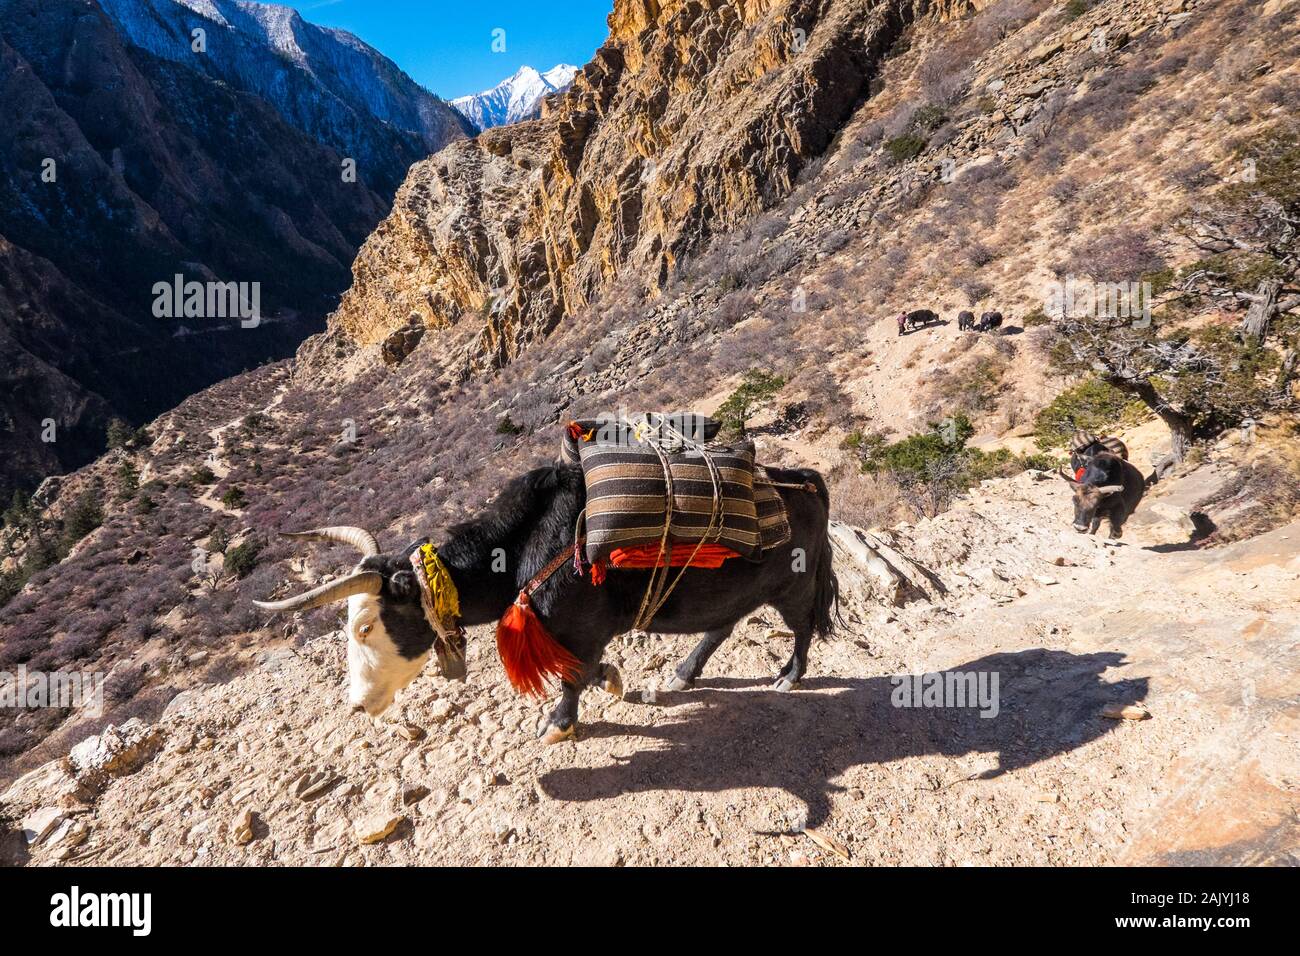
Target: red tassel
[598,573]
[530,655]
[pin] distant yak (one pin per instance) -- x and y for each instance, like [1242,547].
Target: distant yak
[919,318]
[1106,487]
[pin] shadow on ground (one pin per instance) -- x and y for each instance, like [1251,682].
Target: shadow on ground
[1202,528]
[1050,702]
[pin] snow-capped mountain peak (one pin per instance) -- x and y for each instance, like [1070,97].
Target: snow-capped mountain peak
[515,98]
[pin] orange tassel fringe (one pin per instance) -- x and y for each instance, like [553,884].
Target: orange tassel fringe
[647,556]
[532,657]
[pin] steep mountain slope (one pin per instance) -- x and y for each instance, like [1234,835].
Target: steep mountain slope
[690,119]
[129,158]
[322,81]
[515,98]
[271,769]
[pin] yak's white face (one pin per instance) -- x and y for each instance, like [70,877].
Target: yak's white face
[376,668]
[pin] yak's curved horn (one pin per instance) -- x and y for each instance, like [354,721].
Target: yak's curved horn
[1109,489]
[359,538]
[1065,477]
[358,582]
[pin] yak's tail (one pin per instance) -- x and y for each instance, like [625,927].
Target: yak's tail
[826,596]
[826,592]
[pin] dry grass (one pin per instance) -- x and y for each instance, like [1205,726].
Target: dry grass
[865,500]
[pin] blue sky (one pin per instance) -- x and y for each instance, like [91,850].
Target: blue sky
[447,46]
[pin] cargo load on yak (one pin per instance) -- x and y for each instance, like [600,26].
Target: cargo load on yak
[662,486]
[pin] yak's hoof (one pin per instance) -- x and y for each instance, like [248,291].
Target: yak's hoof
[679,683]
[613,682]
[784,685]
[553,735]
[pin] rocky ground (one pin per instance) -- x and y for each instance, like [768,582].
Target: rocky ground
[1200,646]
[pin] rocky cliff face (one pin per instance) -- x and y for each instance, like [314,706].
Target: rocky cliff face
[692,117]
[323,82]
[129,158]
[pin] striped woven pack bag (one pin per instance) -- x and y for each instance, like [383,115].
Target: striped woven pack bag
[638,476]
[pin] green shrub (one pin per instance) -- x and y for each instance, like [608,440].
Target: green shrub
[234,498]
[1077,8]
[118,434]
[1092,405]
[203,475]
[21,513]
[1241,388]
[935,465]
[218,541]
[252,422]
[507,427]
[905,147]
[756,388]
[121,435]
[913,455]
[1039,462]
[83,517]
[929,118]
[130,479]
[241,560]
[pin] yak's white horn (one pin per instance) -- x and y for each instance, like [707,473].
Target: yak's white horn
[359,582]
[359,538]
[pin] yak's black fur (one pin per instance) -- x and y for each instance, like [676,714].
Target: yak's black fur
[1090,508]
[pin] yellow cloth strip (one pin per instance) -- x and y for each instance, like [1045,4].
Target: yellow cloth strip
[442,589]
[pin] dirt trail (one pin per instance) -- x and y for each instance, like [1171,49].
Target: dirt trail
[216,459]
[729,773]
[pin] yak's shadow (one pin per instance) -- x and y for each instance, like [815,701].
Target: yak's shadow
[1202,528]
[1049,702]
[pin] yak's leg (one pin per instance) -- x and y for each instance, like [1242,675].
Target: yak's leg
[562,722]
[611,681]
[1116,525]
[1096,523]
[797,666]
[693,664]
[800,621]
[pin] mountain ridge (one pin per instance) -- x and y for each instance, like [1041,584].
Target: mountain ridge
[134,158]
[516,98]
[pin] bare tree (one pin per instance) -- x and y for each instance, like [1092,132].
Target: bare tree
[1256,218]
[929,492]
[1132,360]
